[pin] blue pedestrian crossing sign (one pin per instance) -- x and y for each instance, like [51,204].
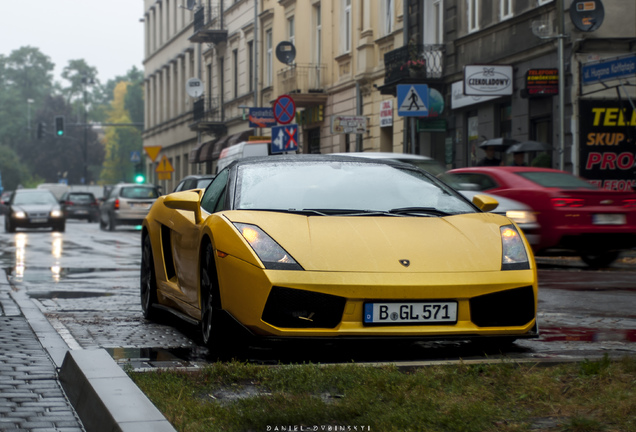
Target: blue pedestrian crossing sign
[412,100]
[284,138]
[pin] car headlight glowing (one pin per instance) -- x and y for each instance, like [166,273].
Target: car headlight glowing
[19,214]
[56,213]
[513,255]
[521,216]
[272,255]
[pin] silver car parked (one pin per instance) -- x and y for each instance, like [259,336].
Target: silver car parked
[127,204]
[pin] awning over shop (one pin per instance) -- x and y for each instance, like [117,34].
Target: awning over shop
[210,150]
[230,140]
[199,151]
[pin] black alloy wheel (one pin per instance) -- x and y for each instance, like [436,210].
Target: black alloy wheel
[148,281]
[217,332]
[599,259]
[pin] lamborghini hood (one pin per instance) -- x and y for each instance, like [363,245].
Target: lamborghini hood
[460,243]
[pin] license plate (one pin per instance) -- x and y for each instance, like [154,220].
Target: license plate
[609,219]
[81,212]
[140,206]
[410,313]
[39,220]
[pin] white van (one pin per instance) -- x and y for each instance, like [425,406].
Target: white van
[242,150]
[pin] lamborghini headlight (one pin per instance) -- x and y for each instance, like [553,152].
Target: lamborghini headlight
[19,214]
[273,256]
[521,216]
[56,213]
[513,255]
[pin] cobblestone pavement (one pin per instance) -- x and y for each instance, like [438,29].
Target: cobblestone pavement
[31,398]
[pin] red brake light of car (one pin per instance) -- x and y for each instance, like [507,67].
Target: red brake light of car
[629,203]
[568,202]
[116,204]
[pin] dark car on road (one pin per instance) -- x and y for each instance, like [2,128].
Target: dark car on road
[33,208]
[127,204]
[195,181]
[80,205]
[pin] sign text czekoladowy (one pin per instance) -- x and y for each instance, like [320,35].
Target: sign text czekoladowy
[607,148]
[487,80]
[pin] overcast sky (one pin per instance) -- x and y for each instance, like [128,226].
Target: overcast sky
[105,33]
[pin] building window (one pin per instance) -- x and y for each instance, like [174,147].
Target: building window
[235,71]
[318,32]
[291,36]
[433,22]
[473,15]
[505,120]
[505,9]
[346,26]
[268,58]
[250,65]
[387,16]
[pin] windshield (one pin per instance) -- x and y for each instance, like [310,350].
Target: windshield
[139,192]
[34,198]
[342,186]
[556,180]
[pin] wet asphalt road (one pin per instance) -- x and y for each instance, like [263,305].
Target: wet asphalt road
[86,282]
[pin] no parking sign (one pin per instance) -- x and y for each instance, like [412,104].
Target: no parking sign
[284,109]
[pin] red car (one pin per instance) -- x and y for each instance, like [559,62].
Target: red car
[574,215]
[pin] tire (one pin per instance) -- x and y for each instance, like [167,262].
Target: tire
[60,227]
[215,329]
[8,227]
[111,223]
[148,281]
[599,259]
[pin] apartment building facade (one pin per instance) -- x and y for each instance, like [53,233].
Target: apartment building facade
[350,56]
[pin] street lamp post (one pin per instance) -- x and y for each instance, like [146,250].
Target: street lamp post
[85,81]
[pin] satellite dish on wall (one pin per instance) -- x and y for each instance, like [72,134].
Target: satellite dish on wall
[286,52]
[542,29]
[194,87]
[587,15]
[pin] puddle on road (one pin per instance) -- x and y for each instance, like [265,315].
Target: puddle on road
[564,334]
[55,273]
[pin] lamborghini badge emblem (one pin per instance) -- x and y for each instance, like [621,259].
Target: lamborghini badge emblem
[405,263]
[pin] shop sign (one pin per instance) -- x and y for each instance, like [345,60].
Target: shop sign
[608,70]
[542,82]
[488,80]
[341,124]
[606,148]
[435,125]
[386,113]
[460,100]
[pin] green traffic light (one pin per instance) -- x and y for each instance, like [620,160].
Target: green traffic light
[139,179]
[60,133]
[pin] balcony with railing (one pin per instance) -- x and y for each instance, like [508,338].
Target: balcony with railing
[208,25]
[306,82]
[207,116]
[413,64]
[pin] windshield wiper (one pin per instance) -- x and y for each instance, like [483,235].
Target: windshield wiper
[418,210]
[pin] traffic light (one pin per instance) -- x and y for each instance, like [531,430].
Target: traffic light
[59,126]
[140,177]
[40,130]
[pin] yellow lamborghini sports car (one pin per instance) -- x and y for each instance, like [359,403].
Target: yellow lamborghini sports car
[319,246]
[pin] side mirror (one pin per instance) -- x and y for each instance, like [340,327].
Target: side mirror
[189,200]
[485,203]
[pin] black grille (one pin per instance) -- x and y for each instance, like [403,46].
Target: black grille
[293,308]
[503,309]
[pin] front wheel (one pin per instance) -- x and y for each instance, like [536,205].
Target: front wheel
[599,259]
[148,281]
[8,226]
[215,329]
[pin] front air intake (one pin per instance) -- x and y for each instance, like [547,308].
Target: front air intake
[294,308]
[511,308]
